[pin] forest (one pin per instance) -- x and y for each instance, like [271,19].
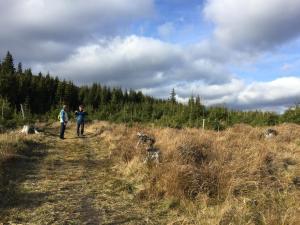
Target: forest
[42,95]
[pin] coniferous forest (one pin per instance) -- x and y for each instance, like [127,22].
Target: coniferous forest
[41,97]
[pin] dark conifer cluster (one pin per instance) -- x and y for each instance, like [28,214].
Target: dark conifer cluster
[41,96]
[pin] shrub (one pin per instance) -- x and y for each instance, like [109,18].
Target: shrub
[195,151]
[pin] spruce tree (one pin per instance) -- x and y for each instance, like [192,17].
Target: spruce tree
[20,68]
[60,92]
[8,64]
[173,96]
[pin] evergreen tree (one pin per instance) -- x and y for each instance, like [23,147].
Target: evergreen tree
[7,66]
[60,92]
[173,96]
[20,68]
[40,93]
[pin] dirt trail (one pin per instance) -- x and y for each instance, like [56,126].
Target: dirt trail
[72,182]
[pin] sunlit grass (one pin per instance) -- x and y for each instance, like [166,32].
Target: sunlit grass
[204,177]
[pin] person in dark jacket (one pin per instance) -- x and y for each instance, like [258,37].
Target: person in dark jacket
[80,119]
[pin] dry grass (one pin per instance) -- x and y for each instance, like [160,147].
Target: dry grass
[232,177]
[74,181]
[13,145]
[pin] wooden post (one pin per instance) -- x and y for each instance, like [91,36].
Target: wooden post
[203,124]
[22,110]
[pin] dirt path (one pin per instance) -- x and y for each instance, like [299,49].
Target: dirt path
[72,182]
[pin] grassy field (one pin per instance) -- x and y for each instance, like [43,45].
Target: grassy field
[232,177]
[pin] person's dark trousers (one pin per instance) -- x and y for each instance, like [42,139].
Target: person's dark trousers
[80,131]
[62,130]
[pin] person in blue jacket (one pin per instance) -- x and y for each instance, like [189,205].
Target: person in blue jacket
[63,119]
[80,119]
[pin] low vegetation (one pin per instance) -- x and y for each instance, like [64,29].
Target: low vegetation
[17,153]
[19,86]
[232,177]
[13,146]
[236,176]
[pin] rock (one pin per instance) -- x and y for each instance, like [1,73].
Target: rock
[270,133]
[153,154]
[296,181]
[143,138]
[36,131]
[28,129]
[289,162]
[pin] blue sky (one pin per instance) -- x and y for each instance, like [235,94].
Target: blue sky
[244,54]
[184,17]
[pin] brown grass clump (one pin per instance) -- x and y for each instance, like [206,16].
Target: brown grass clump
[129,150]
[195,151]
[193,181]
[238,176]
[10,145]
[14,146]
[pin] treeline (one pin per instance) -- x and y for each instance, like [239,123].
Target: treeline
[41,96]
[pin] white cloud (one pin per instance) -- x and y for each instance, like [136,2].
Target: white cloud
[254,25]
[38,25]
[155,67]
[211,94]
[274,95]
[136,62]
[64,16]
[86,41]
[279,92]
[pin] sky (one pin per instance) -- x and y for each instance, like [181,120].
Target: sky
[242,54]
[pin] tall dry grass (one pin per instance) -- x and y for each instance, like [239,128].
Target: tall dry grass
[15,145]
[9,146]
[232,177]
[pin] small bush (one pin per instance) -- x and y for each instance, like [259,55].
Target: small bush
[195,151]
[192,181]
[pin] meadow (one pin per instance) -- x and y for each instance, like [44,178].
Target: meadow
[235,176]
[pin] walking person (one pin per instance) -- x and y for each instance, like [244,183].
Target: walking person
[80,118]
[63,118]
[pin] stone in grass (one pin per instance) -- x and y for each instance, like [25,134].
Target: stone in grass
[296,181]
[153,154]
[28,129]
[270,133]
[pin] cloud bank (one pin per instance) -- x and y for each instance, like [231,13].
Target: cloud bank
[254,25]
[138,62]
[94,41]
[52,29]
